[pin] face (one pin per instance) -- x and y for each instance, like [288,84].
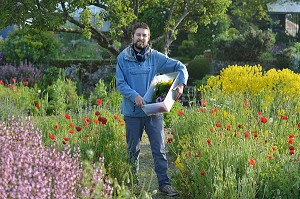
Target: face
[140,38]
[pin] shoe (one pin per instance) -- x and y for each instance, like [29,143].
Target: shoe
[168,190]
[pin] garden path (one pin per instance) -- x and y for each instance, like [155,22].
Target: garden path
[147,170]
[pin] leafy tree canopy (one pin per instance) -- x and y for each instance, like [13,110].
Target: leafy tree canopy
[170,17]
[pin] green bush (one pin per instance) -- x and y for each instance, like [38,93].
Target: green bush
[247,46]
[30,45]
[198,68]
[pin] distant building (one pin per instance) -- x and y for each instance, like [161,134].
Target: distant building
[286,16]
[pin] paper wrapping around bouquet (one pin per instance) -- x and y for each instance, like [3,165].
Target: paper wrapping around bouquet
[167,103]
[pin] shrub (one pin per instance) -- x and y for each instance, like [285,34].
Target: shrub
[198,68]
[247,46]
[22,73]
[30,45]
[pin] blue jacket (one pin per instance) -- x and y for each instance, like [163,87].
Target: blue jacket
[134,78]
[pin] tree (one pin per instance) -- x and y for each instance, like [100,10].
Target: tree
[52,15]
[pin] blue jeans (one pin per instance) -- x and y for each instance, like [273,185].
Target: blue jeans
[153,125]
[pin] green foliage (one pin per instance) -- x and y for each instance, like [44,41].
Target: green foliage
[289,58]
[172,116]
[30,45]
[198,68]
[247,46]
[62,95]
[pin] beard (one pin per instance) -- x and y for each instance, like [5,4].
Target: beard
[139,45]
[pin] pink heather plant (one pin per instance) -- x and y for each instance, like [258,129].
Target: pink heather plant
[30,170]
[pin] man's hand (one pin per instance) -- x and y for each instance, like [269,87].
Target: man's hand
[179,90]
[139,101]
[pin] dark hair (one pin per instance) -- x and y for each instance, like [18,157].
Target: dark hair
[140,25]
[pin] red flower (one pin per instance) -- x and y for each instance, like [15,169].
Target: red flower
[208,141]
[56,126]
[259,114]
[115,117]
[240,126]
[99,102]
[270,156]
[299,125]
[292,136]
[1,82]
[169,140]
[71,131]
[252,162]
[246,134]
[218,125]
[38,105]
[26,83]
[292,152]
[78,128]
[274,148]
[86,119]
[202,172]
[290,141]
[203,102]
[255,135]
[66,139]
[103,120]
[284,117]
[71,125]
[202,109]
[263,120]
[179,112]
[67,116]
[228,127]
[97,113]
[52,137]
[64,142]
[291,147]
[14,79]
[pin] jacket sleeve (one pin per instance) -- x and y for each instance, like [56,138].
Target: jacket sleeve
[121,83]
[169,65]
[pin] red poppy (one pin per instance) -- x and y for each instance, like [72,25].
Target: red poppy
[228,127]
[87,119]
[263,120]
[292,136]
[14,80]
[292,152]
[202,172]
[64,142]
[26,83]
[202,109]
[169,140]
[252,162]
[85,124]
[71,131]
[103,120]
[56,126]
[71,125]
[270,156]
[291,147]
[38,105]
[97,113]
[255,135]
[115,117]
[67,116]
[172,133]
[78,128]
[246,134]
[52,137]
[259,114]
[284,117]
[290,141]
[179,112]
[211,129]
[99,102]
[203,102]
[66,139]
[198,153]
[96,121]
[299,125]
[208,141]
[1,82]
[218,125]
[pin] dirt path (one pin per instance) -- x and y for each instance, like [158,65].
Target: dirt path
[147,170]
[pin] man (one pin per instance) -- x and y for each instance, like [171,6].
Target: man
[136,67]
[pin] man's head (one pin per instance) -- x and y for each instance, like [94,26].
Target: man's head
[140,35]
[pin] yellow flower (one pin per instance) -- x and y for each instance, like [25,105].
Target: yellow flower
[178,164]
